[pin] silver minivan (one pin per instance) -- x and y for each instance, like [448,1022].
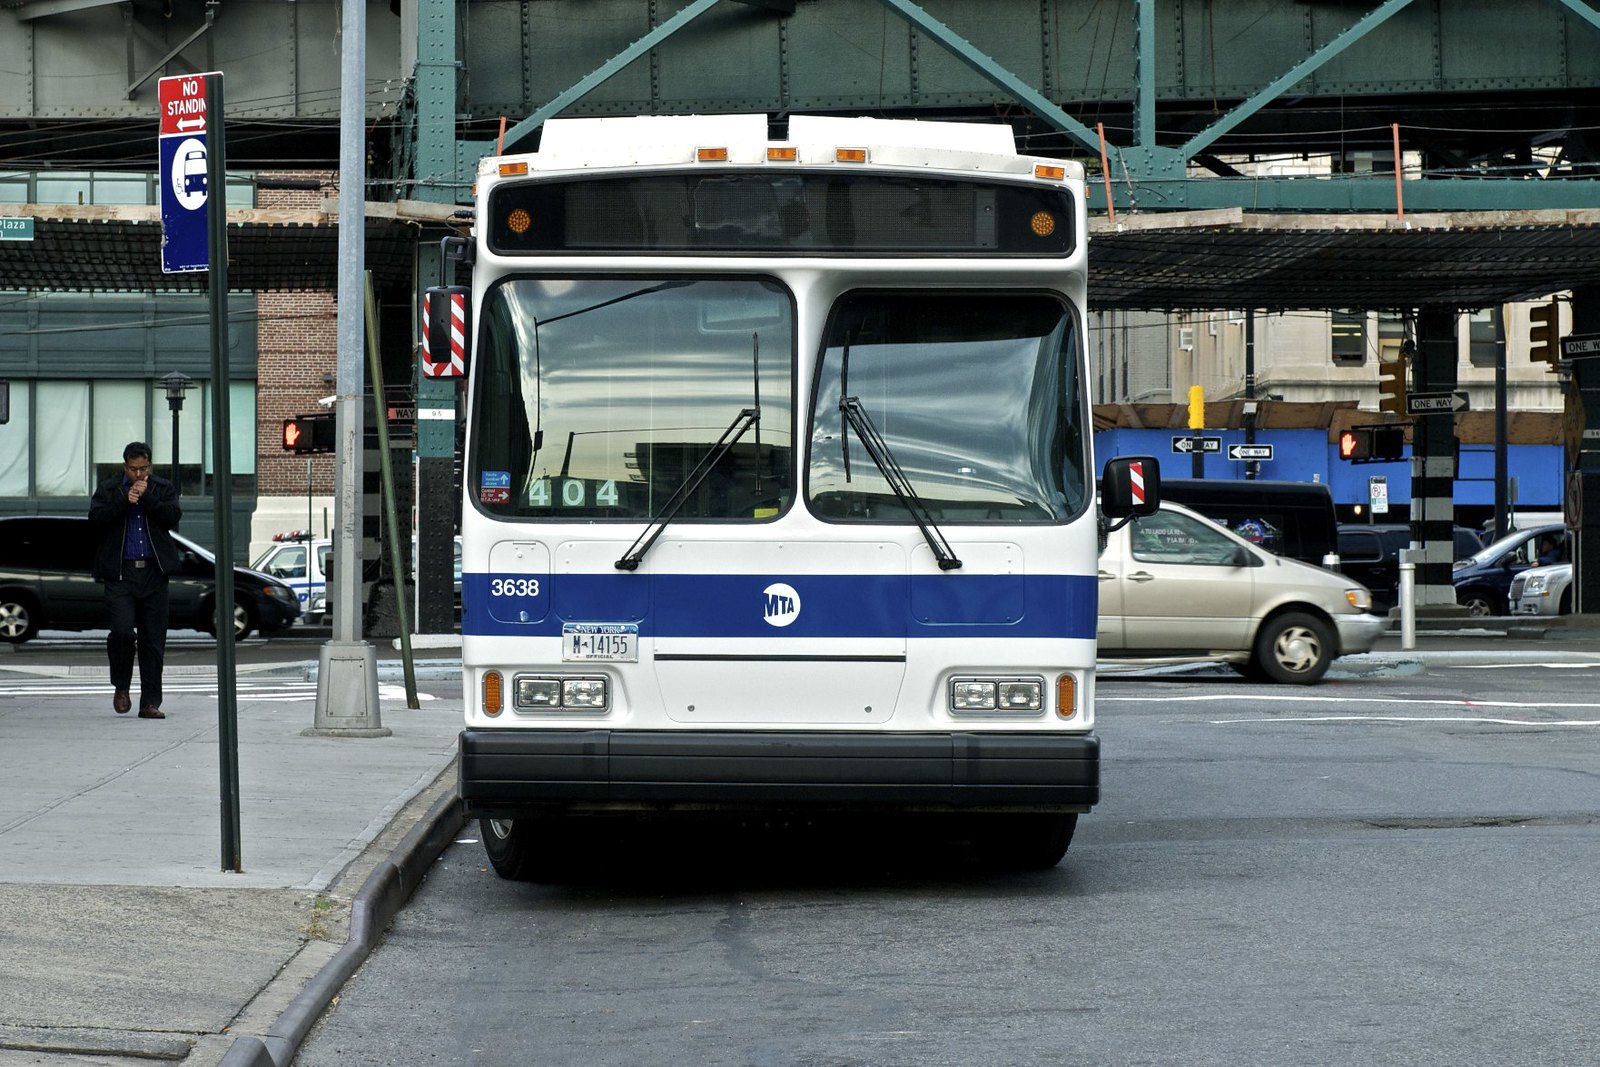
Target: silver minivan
[1177,585]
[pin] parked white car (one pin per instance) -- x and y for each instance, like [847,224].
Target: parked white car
[1176,585]
[1542,590]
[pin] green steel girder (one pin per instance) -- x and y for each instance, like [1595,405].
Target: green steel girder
[606,70]
[1350,194]
[1363,26]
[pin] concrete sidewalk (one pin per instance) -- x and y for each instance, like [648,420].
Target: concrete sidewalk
[122,939]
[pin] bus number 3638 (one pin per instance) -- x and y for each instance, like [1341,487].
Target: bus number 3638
[514,587]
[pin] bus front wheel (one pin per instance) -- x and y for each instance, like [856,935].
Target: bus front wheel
[1025,842]
[525,850]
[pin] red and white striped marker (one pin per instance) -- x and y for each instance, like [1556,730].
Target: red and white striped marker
[457,367]
[1136,476]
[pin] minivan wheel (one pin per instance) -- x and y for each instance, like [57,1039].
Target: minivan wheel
[19,619]
[1294,647]
[1480,603]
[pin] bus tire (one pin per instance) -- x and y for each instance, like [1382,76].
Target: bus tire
[525,850]
[1030,842]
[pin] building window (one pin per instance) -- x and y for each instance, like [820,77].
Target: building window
[1391,329]
[104,187]
[68,435]
[14,437]
[1486,330]
[1349,338]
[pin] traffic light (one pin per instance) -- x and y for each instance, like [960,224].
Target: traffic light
[308,434]
[1197,407]
[1392,380]
[1388,443]
[1372,444]
[1544,335]
[1355,443]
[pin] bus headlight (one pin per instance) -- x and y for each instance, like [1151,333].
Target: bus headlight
[538,693]
[1016,695]
[559,693]
[1021,696]
[968,695]
[584,693]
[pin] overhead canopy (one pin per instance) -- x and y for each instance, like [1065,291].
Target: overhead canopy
[89,248]
[1200,260]
[1235,259]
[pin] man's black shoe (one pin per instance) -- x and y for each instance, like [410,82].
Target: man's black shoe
[120,703]
[150,711]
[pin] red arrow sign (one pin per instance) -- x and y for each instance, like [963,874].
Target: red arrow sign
[183,104]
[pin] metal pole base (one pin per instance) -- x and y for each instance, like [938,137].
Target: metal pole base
[347,692]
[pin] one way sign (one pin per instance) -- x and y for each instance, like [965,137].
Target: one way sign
[1249,451]
[1196,444]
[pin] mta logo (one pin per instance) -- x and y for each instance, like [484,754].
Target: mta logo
[780,604]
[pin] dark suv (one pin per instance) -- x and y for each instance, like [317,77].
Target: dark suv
[45,584]
[1370,553]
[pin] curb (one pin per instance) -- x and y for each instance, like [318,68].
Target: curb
[380,898]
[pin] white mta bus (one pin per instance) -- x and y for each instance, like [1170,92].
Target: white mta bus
[779,484]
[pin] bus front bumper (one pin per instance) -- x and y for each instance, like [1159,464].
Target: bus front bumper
[507,772]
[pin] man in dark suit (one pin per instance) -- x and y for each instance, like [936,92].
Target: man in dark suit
[133,514]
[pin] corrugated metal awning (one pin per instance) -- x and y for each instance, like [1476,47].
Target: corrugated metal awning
[99,248]
[1235,259]
[1153,261]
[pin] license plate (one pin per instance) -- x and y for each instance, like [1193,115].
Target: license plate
[613,642]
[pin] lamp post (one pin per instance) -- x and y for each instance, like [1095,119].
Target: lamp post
[175,384]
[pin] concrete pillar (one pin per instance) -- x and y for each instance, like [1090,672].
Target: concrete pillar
[1433,463]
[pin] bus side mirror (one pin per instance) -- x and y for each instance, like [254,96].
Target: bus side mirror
[444,331]
[1130,486]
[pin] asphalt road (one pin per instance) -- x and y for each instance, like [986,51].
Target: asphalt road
[1395,867]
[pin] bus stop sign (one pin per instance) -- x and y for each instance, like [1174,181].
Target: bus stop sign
[184,196]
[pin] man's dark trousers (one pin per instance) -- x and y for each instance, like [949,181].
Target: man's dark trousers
[140,599]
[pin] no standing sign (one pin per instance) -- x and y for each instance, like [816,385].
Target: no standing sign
[184,192]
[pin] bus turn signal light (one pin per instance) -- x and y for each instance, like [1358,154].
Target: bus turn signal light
[1066,696]
[493,693]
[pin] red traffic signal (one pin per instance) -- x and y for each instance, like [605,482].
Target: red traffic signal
[1372,444]
[308,434]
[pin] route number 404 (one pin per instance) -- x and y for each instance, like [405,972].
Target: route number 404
[514,587]
[574,493]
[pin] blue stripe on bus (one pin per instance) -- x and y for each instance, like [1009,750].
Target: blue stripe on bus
[829,606]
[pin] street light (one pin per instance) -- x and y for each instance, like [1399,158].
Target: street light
[175,384]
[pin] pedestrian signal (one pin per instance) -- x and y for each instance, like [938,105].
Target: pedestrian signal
[1372,444]
[308,434]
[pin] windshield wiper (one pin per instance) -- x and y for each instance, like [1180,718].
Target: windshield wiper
[855,416]
[746,418]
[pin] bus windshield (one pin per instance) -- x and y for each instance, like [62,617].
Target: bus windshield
[975,396]
[600,395]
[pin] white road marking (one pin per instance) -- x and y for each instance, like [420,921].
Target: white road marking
[1345,701]
[260,692]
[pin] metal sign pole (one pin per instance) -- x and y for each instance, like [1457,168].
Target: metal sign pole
[347,671]
[222,474]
